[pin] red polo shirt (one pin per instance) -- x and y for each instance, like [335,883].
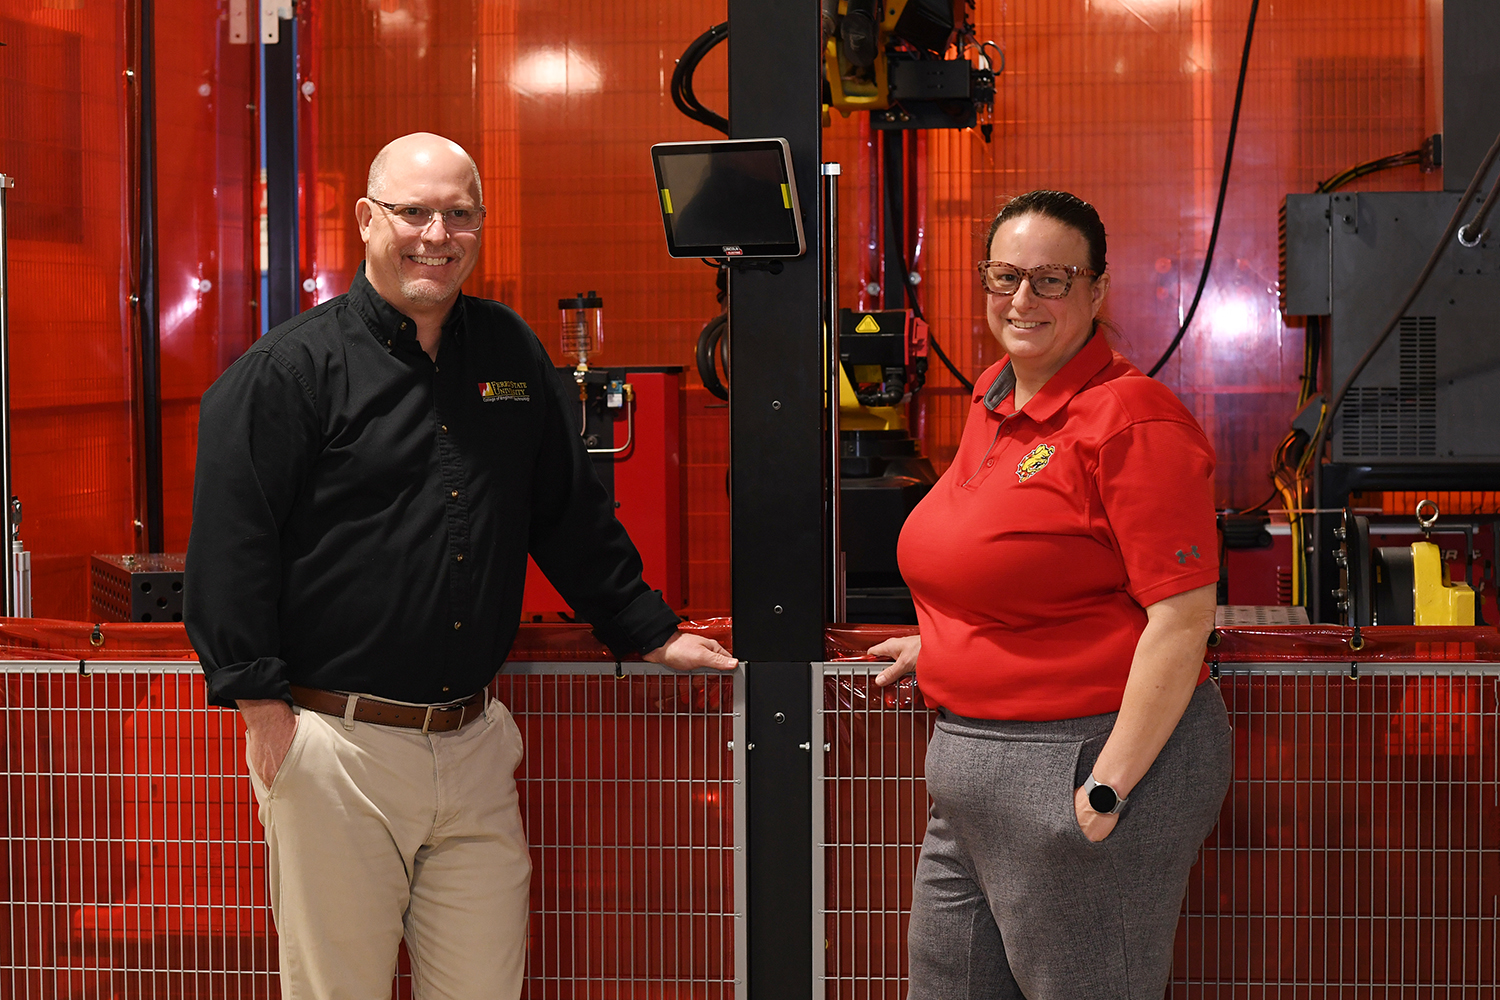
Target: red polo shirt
[1034,556]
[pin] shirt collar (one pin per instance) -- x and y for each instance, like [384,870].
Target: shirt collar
[390,324]
[1090,360]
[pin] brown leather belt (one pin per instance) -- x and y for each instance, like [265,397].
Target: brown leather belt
[427,718]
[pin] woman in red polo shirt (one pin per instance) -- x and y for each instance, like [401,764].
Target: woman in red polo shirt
[1063,570]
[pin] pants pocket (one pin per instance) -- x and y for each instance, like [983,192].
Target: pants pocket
[500,719]
[306,721]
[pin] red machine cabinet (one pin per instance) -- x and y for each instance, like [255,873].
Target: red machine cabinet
[644,479]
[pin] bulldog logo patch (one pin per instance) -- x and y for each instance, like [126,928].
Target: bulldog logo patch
[1034,462]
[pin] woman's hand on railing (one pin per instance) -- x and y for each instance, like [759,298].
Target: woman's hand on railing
[903,649]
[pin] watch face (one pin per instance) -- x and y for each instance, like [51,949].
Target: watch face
[1103,799]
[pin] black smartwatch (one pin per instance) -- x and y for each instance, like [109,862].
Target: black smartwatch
[1102,798]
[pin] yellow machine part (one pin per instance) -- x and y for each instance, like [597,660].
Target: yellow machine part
[1438,600]
[850,94]
[854,417]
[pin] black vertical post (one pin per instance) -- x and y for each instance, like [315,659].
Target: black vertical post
[893,198]
[148,310]
[777,447]
[280,108]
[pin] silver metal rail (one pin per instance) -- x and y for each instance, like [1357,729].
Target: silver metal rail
[10,517]
[831,172]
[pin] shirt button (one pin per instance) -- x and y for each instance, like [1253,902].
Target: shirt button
[403,326]
[455,492]
[445,687]
[459,557]
[458,625]
[990,462]
[445,428]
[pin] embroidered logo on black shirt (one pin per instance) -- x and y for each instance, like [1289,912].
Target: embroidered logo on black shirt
[494,392]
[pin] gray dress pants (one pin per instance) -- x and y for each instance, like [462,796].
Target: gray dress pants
[1013,901]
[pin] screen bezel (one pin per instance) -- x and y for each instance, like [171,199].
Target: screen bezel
[756,251]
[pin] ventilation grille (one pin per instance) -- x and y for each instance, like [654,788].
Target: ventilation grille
[1397,421]
[1281,255]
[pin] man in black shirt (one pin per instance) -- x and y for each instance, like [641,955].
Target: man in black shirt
[371,477]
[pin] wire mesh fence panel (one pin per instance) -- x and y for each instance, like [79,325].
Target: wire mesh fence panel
[875,811]
[1357,854]
[627,788]
[134,865]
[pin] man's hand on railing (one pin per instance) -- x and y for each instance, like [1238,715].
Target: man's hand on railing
[687,651]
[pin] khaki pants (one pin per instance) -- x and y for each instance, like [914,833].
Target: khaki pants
[375,833]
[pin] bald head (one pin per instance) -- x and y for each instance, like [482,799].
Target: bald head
[419,152]
[418,260]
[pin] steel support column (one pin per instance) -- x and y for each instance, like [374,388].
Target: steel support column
[777,434]
[280,108]
[146,298]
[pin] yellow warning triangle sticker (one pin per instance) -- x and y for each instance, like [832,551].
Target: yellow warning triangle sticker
[867,325]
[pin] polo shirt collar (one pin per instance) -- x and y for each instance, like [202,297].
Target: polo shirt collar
[1090,360]
[390,324]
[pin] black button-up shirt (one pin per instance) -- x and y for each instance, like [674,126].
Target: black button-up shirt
[362,515]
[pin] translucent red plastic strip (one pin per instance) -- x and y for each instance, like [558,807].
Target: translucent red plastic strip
[47,639]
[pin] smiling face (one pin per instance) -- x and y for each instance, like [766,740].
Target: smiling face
[420,272]
[1041,335]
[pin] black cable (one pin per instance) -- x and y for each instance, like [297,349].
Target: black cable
[932,343]
[708,346]
[1278,463]
[682,78]
[916,307]
[1261,507]
[1448,233]
[893,230]
[1476,227]
[1213,236]
[1411,157]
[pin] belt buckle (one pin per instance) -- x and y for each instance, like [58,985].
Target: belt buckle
[427,720]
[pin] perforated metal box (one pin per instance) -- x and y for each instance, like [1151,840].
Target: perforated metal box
[1431,394]
[136,587]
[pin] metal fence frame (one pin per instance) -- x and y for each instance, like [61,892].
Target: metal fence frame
[607,988]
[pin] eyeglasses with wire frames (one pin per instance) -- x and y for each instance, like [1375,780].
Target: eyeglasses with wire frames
[1048,281]
[416,218]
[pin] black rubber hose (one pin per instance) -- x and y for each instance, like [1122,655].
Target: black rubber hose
[1213,236]
[1472,233]
[682,78]
[894,232]
[708,344]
